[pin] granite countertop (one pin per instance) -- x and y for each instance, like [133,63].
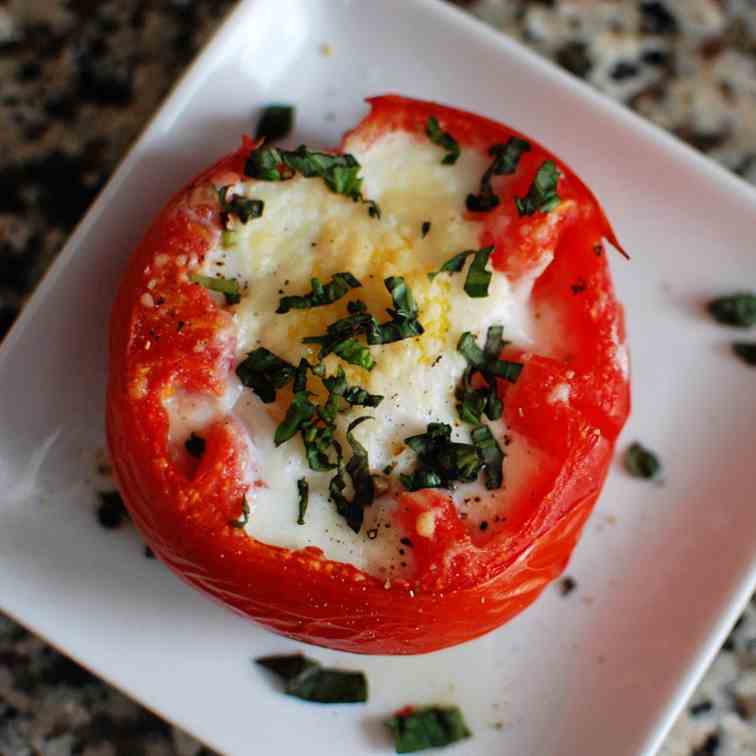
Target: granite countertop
[81,78]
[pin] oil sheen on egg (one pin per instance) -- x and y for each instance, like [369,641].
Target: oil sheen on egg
[308,231]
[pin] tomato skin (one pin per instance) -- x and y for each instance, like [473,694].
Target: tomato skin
[464,586]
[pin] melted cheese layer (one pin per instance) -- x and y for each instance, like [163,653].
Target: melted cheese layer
[308,231]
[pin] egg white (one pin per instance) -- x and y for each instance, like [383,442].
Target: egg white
[308,231]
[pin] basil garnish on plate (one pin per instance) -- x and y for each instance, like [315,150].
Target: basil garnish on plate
[415,729]
[641,462]
[737,309]
[275,122]
[306,679]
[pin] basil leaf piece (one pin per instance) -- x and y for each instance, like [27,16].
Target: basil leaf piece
[359,397]
[453,264]
[442,461]
[401,295]
[320,295]
[264,372]
[318,441]
[358,470]
[494,342]
[425,229]
[475,401]
[195,445]
[300,411]
[354,324]
[374,210]
[338,388]
[267,164]
[355,353]
[443,139]
[506,158]
[229,287]
[641,462]
[243,518]
[112,512]
[287,666]
[303,489]
[542,196]
[404,323]
[304,678]
[746,351]
[468,347]
[243,208]
[488,366]
[275,122]
[420,479]
[429,727]
[491,454]
[340,172]
[737,309]
[478,278]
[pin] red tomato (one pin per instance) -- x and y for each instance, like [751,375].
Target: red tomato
[167,334]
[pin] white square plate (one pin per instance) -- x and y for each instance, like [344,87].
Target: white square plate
[662,569]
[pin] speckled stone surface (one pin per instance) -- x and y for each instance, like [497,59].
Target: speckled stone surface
[79,81]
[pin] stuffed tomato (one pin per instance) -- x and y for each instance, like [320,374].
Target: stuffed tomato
[369,397]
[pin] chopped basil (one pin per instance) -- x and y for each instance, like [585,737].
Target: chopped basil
[112,512]
[358,469]
[428,727]
[404,323]
[275,122]
[473,402]
[641,462]
[542,196]
[243,518]
[304,678]
[491,454]
[267,164]
[229,287]
[340,336]
[195,445]
[303,489]
[300,411]
[746,350]
[478,278]
[735,310]
[354,324]
[355,353]
[442,139]
[425,228]
[243,208]
[338,387]
[318,441]
[453,264]
[374,210]
[264,372]
[320,295]
[340,172]
[441,460]
[486,363]
[506,157]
